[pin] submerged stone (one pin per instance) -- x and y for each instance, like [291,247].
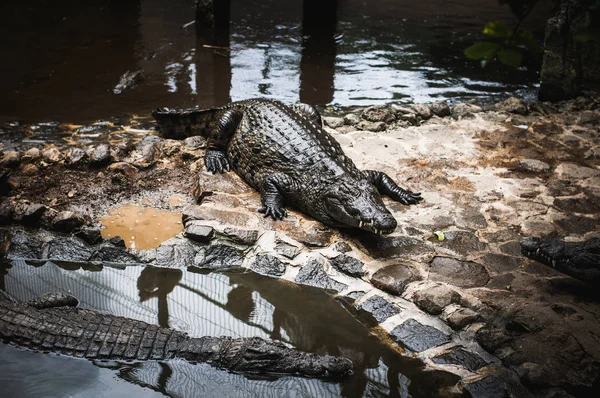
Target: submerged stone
[268,265]
[394,278]
[462,357]
[313,274]
[418,337]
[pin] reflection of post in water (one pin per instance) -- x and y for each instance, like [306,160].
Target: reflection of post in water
[319,19]
[213,63]
[158,282]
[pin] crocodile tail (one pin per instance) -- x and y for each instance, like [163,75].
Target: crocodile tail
[183,123]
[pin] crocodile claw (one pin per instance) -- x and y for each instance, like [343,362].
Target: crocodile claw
[277,212]
[216,161]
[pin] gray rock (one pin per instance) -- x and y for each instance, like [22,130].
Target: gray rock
[589,117]
[24,246]
[89,234]
[410,118]
[379,308]
[198,232]
[11,159]
[266,264]
[500,262]
[394,278]
[75,157]
[460,318]
[492,338]
[441,109]
[462,357]
[401,109]
[351,119]
[67,221]
[52,155]
[465,111]
[341,247]
[313,274]
[69,249]
[418,337]
[348,265]
[219,257]
[458,273]
[114,254]
[29,214]
[532,165]
[379,113]
[371,126]
[488,387]
[196,142]
[100,156]
[434,299]
[175,253]
[124,168]
[333,122]
[286,249]
[422,110]
[148,151]
[464,243]
[31,155]
[512,105]
[243,236]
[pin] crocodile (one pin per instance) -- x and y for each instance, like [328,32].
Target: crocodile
[53,323]
[581,260]
[285,154]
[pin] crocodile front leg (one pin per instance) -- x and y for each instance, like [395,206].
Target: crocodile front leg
[386,186]
[215,159]
[272,192]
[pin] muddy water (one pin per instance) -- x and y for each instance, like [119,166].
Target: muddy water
[233,304]
[62,60]
[141,227]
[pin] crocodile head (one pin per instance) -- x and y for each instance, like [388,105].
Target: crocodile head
[352,203]
[580,260]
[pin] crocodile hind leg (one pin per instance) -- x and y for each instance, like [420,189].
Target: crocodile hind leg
[386,186]
[51,300]
[310,112]
[274,188]
[215,158]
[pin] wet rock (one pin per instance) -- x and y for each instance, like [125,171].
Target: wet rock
[348,265]
[114,254]
[464,111]
[265,264]
[89,234]
[196,142]
[67,221]
[69,249]
[492,338]
[488,387]
[31,155]
[433,299]
[313,274]
[371,126]
[458,273]
[75,157]
[422,110]
[341,247]
[533,166]
[100,156]
[459,317]
[333,122]
[418,337]
[175,253]
[512,105]
[124,168]
[24,246]
[441,109]
[116,241]
[379,113]
[243,236]
[11,159]
[286,249]
[198,232]
[394,278]
[378,308]
[29,214]
[52,155]
[501,263]
[219,257]
[462,357]
[351,119]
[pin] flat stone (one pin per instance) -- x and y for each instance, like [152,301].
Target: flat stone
[589,117]
[441,109]
[266,264]
[333,122]
[348,265]
[433,299]
[418,337]
[462,357]
[67,221]
[501,263]
[286,249]
[488,387]
[198,232]
[394,278]
[351,119]
[52,155]
[195,142]
[100,155]
[313,274]
[465,111]
[578,205]
[243,236]
[574,171]
[541,228]
[11,159]
[341,247]
[422,110]
[532,165]
[371,126]
[389,247]
[458,273]
[75,157]
[31,155]
[512,105]
[69,249]
[460,317]
[379,113]
[218,257]
[464,243]
[379,308]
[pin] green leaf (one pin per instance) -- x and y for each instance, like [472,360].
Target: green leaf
[510,57]
[497,29]
[481,50]
[440,235]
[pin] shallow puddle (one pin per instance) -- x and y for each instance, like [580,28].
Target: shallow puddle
[141,227]
[239,304]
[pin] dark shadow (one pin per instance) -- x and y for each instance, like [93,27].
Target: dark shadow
[158,282]
[317,65]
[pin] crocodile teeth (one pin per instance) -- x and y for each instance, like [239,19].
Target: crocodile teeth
[360,224]
[537,252]
[554,263]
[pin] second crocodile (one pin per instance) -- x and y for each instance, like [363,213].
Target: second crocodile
[284,153]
